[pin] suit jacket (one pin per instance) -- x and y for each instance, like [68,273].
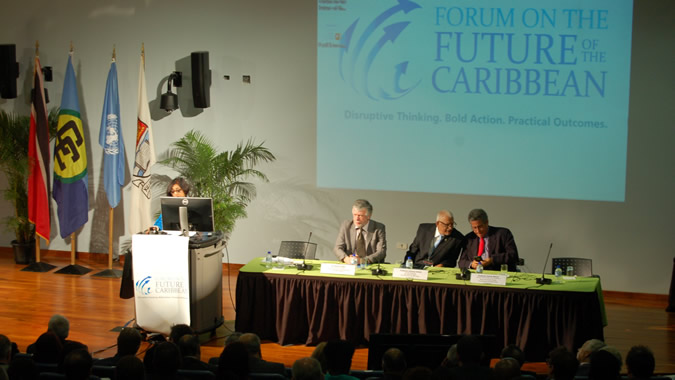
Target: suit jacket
[501,248]
[445,253]
[376,241]
[257,365]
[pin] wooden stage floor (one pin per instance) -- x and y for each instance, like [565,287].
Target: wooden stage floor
[93,306]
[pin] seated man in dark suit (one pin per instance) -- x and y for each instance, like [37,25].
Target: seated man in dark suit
[256,364]
[128,343]
[437,244]
[190,351]
[361,236]
[493,245]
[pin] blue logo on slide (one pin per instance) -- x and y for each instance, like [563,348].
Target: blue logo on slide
[357,64]
[143,286]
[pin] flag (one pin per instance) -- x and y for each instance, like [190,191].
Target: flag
[141,217]
[110,138]
[71,185]
[38,157]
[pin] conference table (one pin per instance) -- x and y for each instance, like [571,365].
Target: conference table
[291,306]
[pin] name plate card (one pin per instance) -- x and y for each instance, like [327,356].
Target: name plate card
[343,269]
[411,274]
[490,279]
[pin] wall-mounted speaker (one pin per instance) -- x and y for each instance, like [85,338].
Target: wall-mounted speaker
[201,79]
[9,71]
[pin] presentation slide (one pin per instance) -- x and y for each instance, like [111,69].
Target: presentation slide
[521,98]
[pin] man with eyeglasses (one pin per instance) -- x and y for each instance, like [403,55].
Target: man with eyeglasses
[492,246]
[437,244]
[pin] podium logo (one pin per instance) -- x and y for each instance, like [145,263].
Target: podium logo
[143,286]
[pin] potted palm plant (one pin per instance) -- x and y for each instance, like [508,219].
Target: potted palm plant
[220,176]
[14,164]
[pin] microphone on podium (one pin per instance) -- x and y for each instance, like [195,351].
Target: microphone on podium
[305,266]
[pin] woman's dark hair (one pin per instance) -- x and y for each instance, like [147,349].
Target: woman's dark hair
[180,181]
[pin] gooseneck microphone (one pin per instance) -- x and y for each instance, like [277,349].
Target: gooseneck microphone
[305,266]
[543,280]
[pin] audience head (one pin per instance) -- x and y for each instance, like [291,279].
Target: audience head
[640,362]
[189,346]
[178,187]
[48,348]
[469,350]
[233,362]
[5,349]
[69,347]
[234,337]
[479,221]
[614,351]
[589,347]
[451,360]
[307,369]
[128,341]
[506,369]
[166,360]
[59,325]
[339,356]
[513,351]
[22,368]
[562,364]
[393,361]
[77,364]
[320,356]
[362,210]
[604,366]
[252,343]
[178,331]
[129,367]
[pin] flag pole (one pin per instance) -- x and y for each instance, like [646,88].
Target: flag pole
[73,268]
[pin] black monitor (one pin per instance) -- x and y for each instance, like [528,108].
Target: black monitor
[199,213]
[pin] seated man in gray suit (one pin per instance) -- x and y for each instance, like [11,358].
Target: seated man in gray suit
[437,244]
[361,236]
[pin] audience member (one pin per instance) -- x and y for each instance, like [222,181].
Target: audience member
[233,362]
[604,366]
[128,342]
[507,369]
[513,351]
[449,361]
[361,236]
[69,347]
[640,363]
[614,351]
[5,355]
[470,355]
[490,245]
[234,337]
[177,331]
[77,364]
[22,368]
[339,359]
[166,361]
[393,364]
[59,325]
[320,355]
[130,367]
[256,363]
[562,364]
[417,373]
[307,369]
[47,348]
[191,352]
[437,244]
[584,355]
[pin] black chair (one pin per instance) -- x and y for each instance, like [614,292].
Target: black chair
[194,374]
[367,374]
[582,266]
[297,250]
[104,371]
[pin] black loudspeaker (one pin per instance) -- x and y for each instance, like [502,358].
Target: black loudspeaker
[201,79]
[9,71]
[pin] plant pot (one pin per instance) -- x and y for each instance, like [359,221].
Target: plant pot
[24,253]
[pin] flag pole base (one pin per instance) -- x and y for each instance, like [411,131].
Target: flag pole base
[38,267]
[73,269]
[109,273]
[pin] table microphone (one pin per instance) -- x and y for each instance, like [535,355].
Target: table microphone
[305,266]
[543,280]
[378,271]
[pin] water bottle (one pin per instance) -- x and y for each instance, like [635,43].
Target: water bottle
[354,260]
[479,267]
[409,263]
[268,260]
[558,275]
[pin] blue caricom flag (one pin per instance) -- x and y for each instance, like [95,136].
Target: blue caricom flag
[71,185]
[110,138]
